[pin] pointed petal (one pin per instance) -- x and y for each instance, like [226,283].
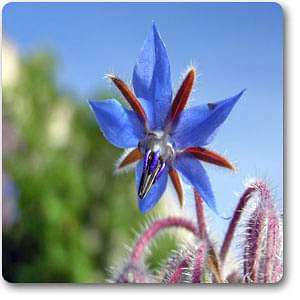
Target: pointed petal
[177,185]
[149,110]
[194,172]
[182,95]
[210,157]
[197,125]
[130,158]
[120,126]
[152,77]
[129,96]
[156,191]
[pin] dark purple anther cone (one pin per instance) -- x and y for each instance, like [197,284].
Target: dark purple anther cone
[146,158]
[154,161]
[160,171]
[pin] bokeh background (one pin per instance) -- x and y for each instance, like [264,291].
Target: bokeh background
[66,217]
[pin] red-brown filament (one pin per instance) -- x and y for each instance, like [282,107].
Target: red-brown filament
[182,95]
[210,157]
[132,157]
[177,185]
[129,96]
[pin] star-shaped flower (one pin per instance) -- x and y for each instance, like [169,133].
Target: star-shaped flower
[167,140]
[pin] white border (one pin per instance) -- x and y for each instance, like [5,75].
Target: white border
[290,286]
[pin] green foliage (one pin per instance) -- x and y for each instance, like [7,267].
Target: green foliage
[75,215]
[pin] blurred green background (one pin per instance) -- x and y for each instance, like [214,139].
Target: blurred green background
[66,216]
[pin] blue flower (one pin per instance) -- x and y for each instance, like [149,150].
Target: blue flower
[167,140]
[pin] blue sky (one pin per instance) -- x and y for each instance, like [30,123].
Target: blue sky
[234,46]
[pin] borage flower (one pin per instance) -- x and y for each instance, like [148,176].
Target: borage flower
[167,140]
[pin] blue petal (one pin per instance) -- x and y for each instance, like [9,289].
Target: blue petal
[155,192]
[149,110]
[152,77]
[197,125]
[196,175]
[120,126]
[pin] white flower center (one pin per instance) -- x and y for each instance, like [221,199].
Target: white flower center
[158,142]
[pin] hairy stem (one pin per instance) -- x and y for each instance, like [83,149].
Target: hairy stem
[263,238]
[199,263]
[234,222]
[214,265]
[253,250]
[213,260]
[155,228]
[272,247]
[200,216]
[176,276]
